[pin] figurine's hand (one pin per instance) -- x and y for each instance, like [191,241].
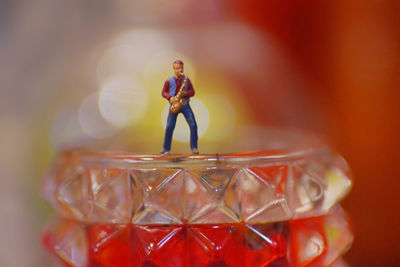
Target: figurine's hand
[172,100]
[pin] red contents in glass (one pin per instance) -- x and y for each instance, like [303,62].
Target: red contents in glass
[185,245]
[201,245]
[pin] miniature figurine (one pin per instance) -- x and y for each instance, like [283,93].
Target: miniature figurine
[177,90]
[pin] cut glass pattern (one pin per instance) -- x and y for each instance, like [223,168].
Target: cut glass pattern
[162,195]
[264,193]
[199,211]
[317,241]
[112,196]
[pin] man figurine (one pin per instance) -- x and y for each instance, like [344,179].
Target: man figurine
[171,88]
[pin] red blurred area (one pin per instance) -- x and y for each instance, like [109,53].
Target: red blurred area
[349,51]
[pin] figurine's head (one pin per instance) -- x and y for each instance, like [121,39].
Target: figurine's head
[178,68]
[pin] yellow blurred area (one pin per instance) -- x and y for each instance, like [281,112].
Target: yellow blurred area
[218,105]
[123,100]
[131,74]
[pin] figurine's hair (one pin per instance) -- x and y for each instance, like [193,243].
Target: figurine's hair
[178,61]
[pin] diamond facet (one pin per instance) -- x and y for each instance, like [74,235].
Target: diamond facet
[73,194]
[112,196]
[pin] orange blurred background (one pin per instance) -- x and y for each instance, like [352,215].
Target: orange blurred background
[349,53]
[75,71]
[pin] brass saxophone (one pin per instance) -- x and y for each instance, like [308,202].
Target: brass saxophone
[178,100]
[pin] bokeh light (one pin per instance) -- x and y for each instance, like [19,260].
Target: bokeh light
[152,10]
[159,65]
[122,100]
[66,129]
[220,40]
[92,121]
[222,114]
[235,47]
[130,51]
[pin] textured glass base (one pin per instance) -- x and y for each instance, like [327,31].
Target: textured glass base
[317,241]
[203,189]
[268,208]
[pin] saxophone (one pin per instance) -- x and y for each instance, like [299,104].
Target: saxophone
[179,101]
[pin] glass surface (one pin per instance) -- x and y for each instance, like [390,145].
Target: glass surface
[273,207]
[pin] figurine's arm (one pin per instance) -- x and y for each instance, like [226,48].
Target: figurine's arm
[190,90]
[165,91]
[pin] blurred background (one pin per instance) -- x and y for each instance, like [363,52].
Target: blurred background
[75,71]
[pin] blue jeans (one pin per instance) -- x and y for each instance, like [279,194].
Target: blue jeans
[171,122]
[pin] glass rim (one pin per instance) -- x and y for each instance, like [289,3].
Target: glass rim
[300,145]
